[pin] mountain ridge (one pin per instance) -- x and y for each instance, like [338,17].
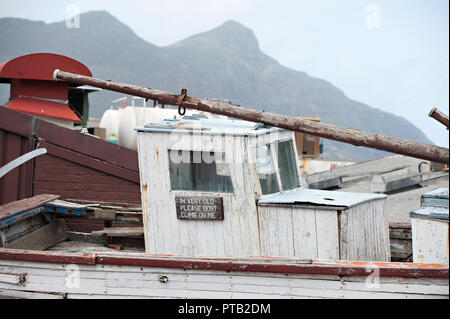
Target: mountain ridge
[225,63]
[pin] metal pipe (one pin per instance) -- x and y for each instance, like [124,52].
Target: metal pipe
[21,160]
[329,131]
[439,116]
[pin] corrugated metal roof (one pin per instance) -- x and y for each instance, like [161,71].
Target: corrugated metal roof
[314,197]
[208,126]
[431,212]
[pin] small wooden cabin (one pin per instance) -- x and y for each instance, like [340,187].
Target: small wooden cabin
[231,188]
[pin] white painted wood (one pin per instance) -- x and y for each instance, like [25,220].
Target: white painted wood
[10,278]
[327,232]
[109,281]
[364,232]
[300,232]
[430,240]
[236,235]
[361,233]
[18,294]
[305,235]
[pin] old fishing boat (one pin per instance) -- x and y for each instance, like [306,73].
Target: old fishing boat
[222,215]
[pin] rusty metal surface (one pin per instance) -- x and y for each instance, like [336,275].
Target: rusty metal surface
[329,131]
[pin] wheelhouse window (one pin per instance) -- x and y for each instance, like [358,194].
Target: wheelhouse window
[287,165]
[199,171]
[266,170]
[281,175]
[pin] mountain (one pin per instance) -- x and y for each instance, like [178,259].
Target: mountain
[224,63]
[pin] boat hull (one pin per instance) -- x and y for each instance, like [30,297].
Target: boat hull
[124,275]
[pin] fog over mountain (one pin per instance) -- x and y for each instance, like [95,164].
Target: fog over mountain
[224,63]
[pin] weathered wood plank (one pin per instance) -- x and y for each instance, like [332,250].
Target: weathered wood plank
[327,234]
[305,234]
[17,218]
[108,281]
[18,294]
[66,208]
[120,232]
[430,240]
[12,278]
[23,205]
[330,131]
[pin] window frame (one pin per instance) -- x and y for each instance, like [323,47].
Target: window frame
[297,163]
[274,157]
[189,192]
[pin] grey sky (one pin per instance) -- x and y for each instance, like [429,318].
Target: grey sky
[390,54]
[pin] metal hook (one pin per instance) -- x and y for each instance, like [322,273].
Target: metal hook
[180,100]
[181,108]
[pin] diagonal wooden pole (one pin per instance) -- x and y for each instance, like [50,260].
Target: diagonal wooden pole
[329,131]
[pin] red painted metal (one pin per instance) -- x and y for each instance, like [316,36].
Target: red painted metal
[39,89]
[31,77]
[40,66]
[43,108]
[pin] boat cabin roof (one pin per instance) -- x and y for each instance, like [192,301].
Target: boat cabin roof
[201,124]
[319,198]
[430,212]
[440,193]
[434,205]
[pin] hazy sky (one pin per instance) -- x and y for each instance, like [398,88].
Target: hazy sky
[390,54]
